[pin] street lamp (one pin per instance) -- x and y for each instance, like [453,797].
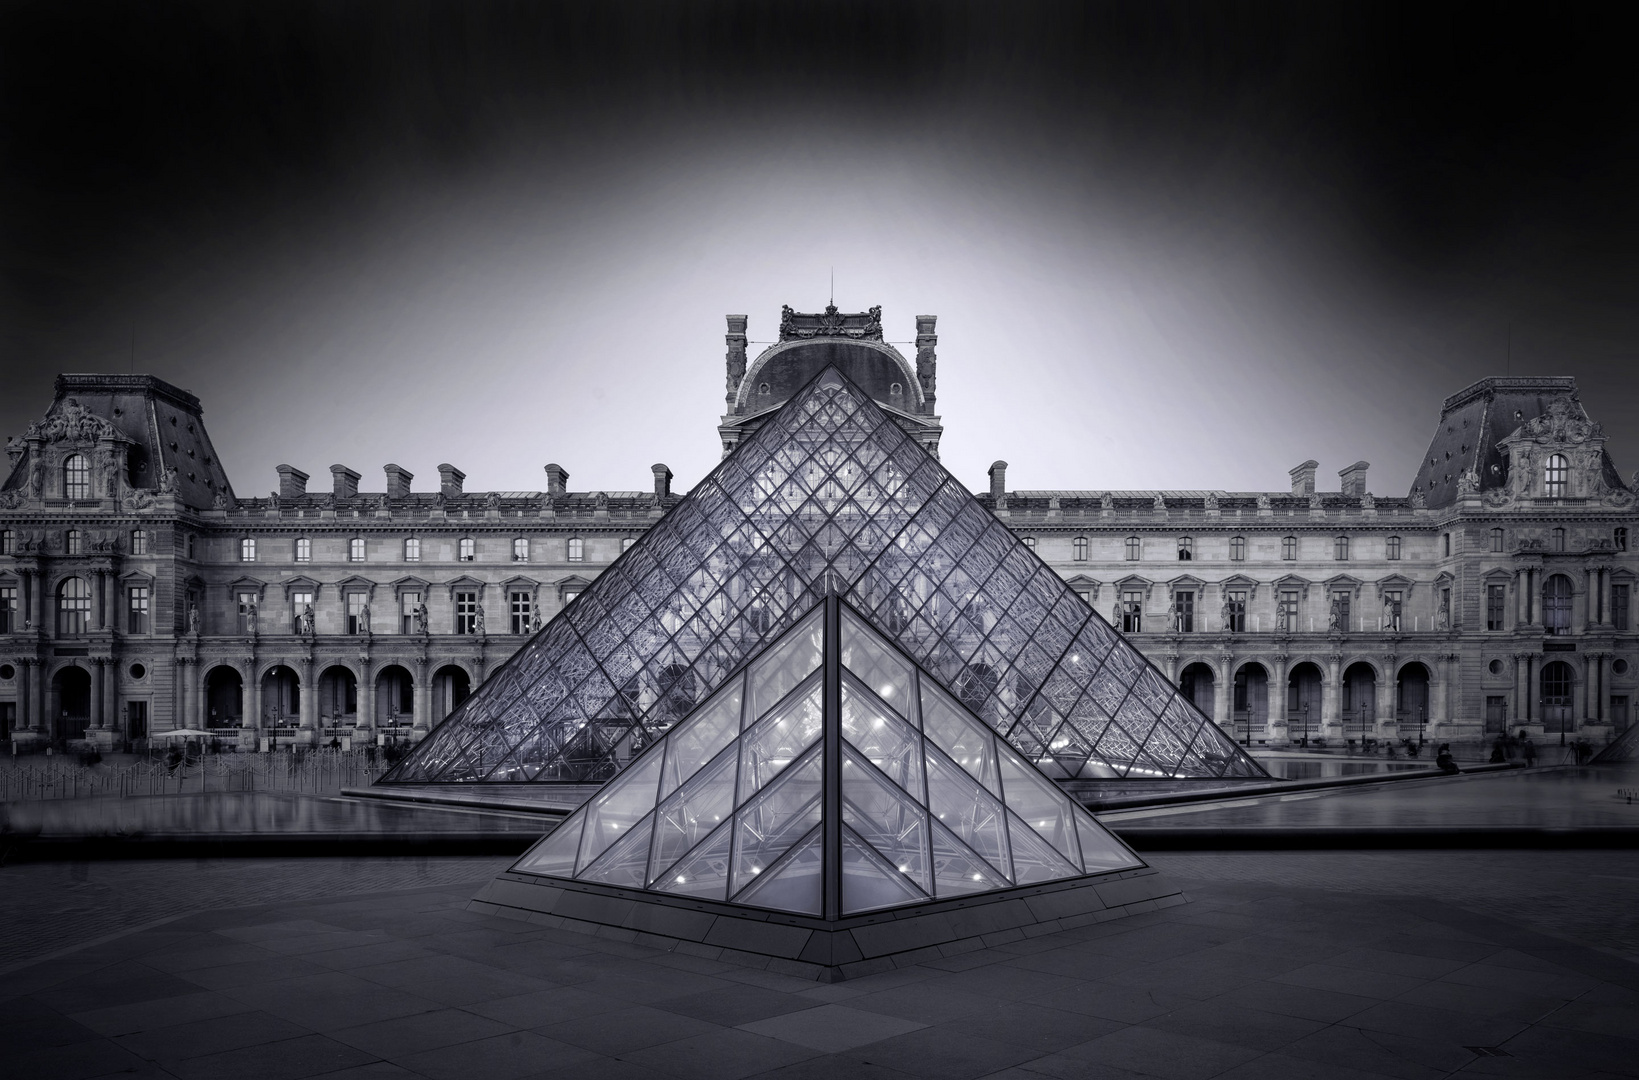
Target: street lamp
[1305,740]
[1422,719]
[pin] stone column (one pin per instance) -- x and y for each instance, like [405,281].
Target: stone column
[35,713]
[421,720]
[1604,709]
[1277,697]
[365,720]
[254,720]
[1579,698]
[1520,690]
[1331,699]
[309,701]
[1383,701]
[1437,711]
[37,599]
[1223,696]
[1590,601]
[99,676]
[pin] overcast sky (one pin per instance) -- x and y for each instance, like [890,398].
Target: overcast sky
[1168,247]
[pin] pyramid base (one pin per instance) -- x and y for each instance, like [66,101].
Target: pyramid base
[813,948]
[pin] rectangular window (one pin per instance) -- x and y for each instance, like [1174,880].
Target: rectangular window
[1619,538]
[521,608]
[1086,596]
[466,613]
[190,545]
[1619,607]
[1134,548]
[1132,612]
[1559,539]
[1496,605]
[247,550]
[1289,548]
[1183,607]
[468,550]
[1446,538]
[1237,611]
[1029,542]
[8,609]
[8,542]
[1391,548]
[1340,600]
[626,543]
[247,603]
[1079,548]
[73,541]
[77,477]
[577,549]
[520,550]
[1186,548]
[1340,548]
[569,595]
[1496,540]
[412,550]
[304,549]
[139,542]
[355,549]
[358,613]
[1286,610]
[407,603]
[1237,549]
[300,603]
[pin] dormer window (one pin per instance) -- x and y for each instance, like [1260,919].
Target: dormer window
[896,390]
[1556,476]
[76,477]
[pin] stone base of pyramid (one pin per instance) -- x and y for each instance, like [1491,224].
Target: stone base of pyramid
[827,951]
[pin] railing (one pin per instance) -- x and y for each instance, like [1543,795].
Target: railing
[318,772]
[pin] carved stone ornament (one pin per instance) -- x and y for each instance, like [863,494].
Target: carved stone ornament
[1564,422]
[1497,498]
[1263,502]
[139,499]
[168,480]
[11,500]
[1468,483]
[1419,501]
[1314,501]
[72,422]
[1106,501]
[600,501]
[493,500]
[1160,503]
[862,326]
[1620,499]
[219,501]
[1211,501]
[1368,501]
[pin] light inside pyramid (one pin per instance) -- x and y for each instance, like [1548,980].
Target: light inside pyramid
[731,803]
[830,495]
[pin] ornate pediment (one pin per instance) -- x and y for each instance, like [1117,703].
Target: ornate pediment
[1564,422]
[861,326]
[72,422]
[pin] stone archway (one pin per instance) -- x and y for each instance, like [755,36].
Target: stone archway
[338,696]
[1250,705]
[1199,683]
[1411,699]
[1304,692]
[70,703]
[281,697]
[451,685]
[395,697]
[224,697]
[1558,690]
[1358,703]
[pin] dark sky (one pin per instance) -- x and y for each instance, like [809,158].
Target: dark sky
[1169,246]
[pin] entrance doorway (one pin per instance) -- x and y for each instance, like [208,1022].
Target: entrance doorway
[71,691]
[1251,707]
[1558,688]
[1303,702]
[1359,701]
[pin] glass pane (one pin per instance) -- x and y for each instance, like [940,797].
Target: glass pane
[772,823]
[957,871]
[618,807]
[696,808]
[704,871]
[878,666]
[698,739]
[967,810]
[1041,804]
[886,818]
[1033,859]
[778,739]
[625,861]
[868,882]
[1099,850]
[555,854]
[795,885]
[787,664]
[950,727]
[885,740]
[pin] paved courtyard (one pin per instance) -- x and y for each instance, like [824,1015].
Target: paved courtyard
[1301,964]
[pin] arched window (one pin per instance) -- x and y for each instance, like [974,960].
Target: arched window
[1559,539]
[1237,549]
[1340,547]
[1556,605]
[468,549]
[76,477]
[1186,548]
[73,606]
[304,549]
[1289,547]
[577,549]
[1079,545]
[72,542]
[520,550]
[627,542]
[247,549]
[355,549]
[412,549]
[1134,548]
[1392,546]
[1555,476]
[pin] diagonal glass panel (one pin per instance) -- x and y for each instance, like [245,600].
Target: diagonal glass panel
[780,737]
[1033,858]
[878,665]
[888,819]
[625,861]
[957,871]
[967,810]
[555,853]
[796,884]
[1100,850]
[868,881]
[694,810]
[958,735]
[618,807]
[774,675]
[772,822]
[1041,804]
[703,872]
[701,737]
[881,737]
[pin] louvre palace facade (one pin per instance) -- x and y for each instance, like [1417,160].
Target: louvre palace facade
[139,593]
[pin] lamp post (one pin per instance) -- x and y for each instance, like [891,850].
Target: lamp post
[1422,720]
[1305,741]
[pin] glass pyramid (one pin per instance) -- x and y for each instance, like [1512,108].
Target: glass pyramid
[830,777]
[829,495]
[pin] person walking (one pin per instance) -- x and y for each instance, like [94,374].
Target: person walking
[1528,748]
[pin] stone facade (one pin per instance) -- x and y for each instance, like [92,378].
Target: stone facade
[139,593]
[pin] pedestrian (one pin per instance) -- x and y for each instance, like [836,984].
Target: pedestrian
[1528,748]
[1498,755]
[1445,761]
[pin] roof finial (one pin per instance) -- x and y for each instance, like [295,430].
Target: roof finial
[833,299]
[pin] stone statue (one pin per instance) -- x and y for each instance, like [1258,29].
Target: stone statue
[193,618]
[534,618]
[364,619]
[1160,503]
[1334,616]
[168,480]
[600,501]
[219,501]
[478,620]
[1106,501]
[1227,615]
[1315,502]
[1263,502]
[307,618]
[1419,501]
[1282,618]
[1443,616]
[1468,483]
[1211,502]
[251,614]
[419,618]
[1390,621]
[1368,501]
[493,500]
[1175,619]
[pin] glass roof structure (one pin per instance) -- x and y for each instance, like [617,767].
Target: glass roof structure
[831,777]
[830,496]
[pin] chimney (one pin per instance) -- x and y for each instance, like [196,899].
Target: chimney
[1303,478]
[557,480]
[346,481]
[450,479]
[735,356]
[998,480]
[927,362]
[662,481]
[1354,478]
[292,482]
[398,481]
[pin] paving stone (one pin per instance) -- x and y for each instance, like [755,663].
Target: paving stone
[1162,1053]
[213,1036]
[1228,1023]
[941,1052]
[501,1057]
[421,1031]
[831,1029]
[308,1055]
[1035,1025]
[621,1030]
[734,1005]
[724,1054]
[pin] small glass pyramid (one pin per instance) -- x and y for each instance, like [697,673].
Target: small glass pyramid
[830,777]
[829,495]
